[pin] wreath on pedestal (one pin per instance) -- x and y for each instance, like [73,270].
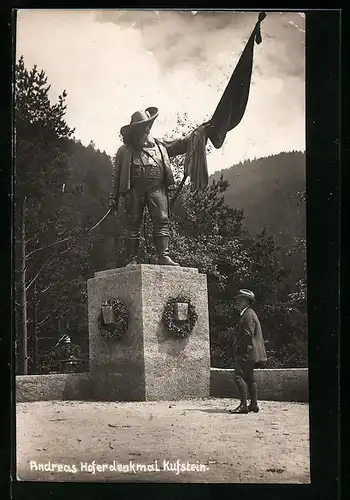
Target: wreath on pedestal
[177,328]
[116,330]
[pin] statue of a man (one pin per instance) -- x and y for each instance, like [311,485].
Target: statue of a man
[142,175]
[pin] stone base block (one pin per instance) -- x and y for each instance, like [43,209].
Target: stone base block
[148,364]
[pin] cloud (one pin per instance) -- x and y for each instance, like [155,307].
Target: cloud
[209,38]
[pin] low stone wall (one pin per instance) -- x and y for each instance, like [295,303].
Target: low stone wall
[290,384]
[274,385]
[60,386]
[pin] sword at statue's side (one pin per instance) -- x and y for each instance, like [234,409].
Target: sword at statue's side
[113,208]
[87,231]
[101,220]
[76,240]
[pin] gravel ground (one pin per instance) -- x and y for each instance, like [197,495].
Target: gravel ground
[268,447]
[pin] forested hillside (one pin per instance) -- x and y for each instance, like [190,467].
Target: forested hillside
[259,186]
[268,190]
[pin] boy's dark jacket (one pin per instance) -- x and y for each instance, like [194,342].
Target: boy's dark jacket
[249,342]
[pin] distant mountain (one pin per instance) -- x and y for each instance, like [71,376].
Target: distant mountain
[267,190]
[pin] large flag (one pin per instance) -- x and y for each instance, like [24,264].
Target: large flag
[228,114]
[232,105]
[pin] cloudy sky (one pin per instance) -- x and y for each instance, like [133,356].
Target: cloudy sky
[114,62]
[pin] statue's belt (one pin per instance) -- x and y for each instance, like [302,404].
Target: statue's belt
[144,172]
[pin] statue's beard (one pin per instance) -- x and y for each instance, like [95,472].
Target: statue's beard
[144,140]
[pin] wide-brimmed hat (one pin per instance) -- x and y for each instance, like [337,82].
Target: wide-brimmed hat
[140,118]
[248,294]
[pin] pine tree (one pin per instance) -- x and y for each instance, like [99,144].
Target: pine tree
[40,174]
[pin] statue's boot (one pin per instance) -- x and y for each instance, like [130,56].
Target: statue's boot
[132,248]
[162,246]
[253,389]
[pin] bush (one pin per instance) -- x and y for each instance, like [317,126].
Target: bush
[53,361]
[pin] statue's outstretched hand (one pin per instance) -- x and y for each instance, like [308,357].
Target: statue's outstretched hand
[206,126]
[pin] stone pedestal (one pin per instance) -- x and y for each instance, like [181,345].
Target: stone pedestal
[148,364]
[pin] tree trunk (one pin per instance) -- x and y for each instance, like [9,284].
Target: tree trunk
[35,331]
[23,295]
